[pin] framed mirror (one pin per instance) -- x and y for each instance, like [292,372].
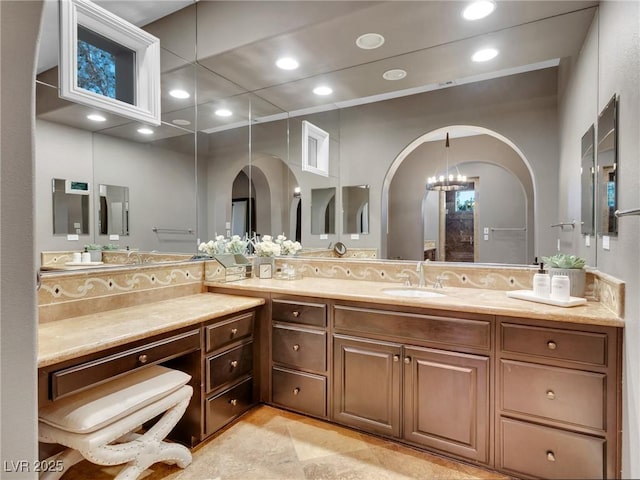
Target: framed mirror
[70,207]
[587,181]
[607,161]
[113,210]
[355,209]
[323,211]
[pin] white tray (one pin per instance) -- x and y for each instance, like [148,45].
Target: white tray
[82,264]
[529,295]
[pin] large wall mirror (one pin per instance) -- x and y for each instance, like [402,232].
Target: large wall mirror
[113,211]
[587,182]
[323,211]
[607,160]
[70,207]
[355,209]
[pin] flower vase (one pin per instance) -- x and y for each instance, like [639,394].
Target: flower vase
[263,267]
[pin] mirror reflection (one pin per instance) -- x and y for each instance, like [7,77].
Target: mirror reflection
[323,211]
[113,210]
[607,169]
[70,207]
[587,177]
[355,209]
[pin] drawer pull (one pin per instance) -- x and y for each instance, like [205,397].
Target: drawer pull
[396,358]
[551,456]
[551,345]
[233,363]
[233,402]
[296,347]
[296,313]
[551,395]
[296,390]
[407,360]
[143,358]
[234,331]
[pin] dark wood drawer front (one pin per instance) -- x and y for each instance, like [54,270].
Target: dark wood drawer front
[300,348]
[550,453]
[581,347]
[229,366]
[412,327]
[299,312]
[568,396]
[229,404]
[300,391]
[229,331]
[76,378]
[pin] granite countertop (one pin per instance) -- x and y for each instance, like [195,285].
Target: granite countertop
[493,302]
[73,337]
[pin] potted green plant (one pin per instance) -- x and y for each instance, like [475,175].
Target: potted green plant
[573,267]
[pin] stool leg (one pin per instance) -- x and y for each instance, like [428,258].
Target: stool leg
[69,458]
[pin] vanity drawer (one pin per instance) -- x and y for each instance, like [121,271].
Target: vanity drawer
[300,348]
[575,346]
[221,334]
[546,452]
[436,330]
[299,312]
[300,391]
[228,405]
[229,366]
[569,396]
[79,377]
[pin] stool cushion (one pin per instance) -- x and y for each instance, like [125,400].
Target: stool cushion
[92,409]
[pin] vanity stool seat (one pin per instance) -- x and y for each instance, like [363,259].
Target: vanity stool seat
[98,423]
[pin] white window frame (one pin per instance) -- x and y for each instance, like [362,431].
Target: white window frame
[146,107]
[309,130]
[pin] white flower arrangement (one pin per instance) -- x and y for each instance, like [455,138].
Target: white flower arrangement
[222,245]
[237,245]
[287,247]
[267,247]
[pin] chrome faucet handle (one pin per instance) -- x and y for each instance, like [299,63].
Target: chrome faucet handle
[438,282]
[406,282]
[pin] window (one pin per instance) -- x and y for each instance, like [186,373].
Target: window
[315,149]
[465,200]
[108,63]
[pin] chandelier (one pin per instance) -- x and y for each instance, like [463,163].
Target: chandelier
[447,182]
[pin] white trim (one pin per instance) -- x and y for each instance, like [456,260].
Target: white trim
[146,106]
[309,130]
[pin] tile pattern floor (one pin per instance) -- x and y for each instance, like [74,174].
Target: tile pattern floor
[272,444]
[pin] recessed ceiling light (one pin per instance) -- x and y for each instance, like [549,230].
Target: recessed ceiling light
[145,131]
[479,9]
[181,122]
[94,117]
[323,90]
[223,112]
[287,63]
[177,93]
[484,55]
[395,74]
[369,41]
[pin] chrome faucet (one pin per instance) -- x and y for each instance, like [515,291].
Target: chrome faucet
[421,280]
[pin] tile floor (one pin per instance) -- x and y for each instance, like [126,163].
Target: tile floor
[272,444]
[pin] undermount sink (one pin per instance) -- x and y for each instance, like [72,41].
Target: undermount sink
[411,292]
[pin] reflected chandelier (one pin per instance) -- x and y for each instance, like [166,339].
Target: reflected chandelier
[447,182]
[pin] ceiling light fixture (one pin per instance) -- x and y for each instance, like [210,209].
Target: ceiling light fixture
[369,41]
[484,55]
[223,112]
[181,122]
[447,182]
[94,117]
[145,131]
[323,90]
[394,74]
[287,63]
[181,94]
[479,9]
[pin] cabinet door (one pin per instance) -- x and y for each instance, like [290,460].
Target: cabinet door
[367,384]
[446,401]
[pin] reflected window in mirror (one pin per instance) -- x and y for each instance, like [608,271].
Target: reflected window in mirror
[113,210]
[70,207]
[607,161]
[315,149]
[587,177]
[355,209]
[323,211]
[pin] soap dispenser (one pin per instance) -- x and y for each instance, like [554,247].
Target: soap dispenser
[541,283]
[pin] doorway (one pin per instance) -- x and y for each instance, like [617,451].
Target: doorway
[458,224]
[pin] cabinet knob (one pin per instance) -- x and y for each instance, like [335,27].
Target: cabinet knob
[296,390]
[233,363]
[296,313]
[143,358]
[234,331]
[233,402]
[407,360]
[551,345]
[551,395]
[396,358]
[551,456]
[296,347]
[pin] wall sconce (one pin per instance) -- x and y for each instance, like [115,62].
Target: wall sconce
[296,192]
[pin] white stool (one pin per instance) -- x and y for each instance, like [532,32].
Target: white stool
[97,424]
